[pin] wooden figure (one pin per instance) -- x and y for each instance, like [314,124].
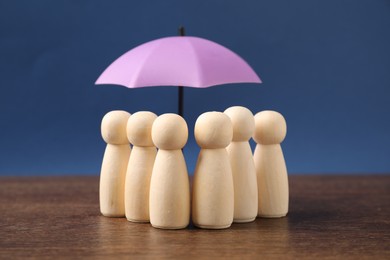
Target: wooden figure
[272,180]
[116,157]
[243,166]
[139,169]
[169,199]
[213,193]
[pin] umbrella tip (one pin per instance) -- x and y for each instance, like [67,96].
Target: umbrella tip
[182,31]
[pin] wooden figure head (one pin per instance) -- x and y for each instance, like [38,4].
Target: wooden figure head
[213,130]
[113,127]
[242,121]
[169,132]
[139,128]
[270,127]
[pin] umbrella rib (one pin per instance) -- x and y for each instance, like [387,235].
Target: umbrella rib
[134,79]
[199,68]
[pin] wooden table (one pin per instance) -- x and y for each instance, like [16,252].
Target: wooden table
[330,216]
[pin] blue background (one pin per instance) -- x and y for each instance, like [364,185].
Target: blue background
[325,66]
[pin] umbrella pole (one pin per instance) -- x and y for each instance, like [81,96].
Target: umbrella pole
[181,89]
[181,95]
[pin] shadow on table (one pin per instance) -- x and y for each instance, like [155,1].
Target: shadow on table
[118,236]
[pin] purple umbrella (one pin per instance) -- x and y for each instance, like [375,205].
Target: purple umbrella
[178,61]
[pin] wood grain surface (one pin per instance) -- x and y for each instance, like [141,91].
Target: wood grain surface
[330,217]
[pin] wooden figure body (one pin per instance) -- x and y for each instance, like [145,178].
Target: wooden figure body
[272,179]
[140,166]
[113,171]
[169,199]
[243,167]
[213,193]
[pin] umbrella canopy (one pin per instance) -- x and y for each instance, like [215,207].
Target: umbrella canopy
[178,61]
